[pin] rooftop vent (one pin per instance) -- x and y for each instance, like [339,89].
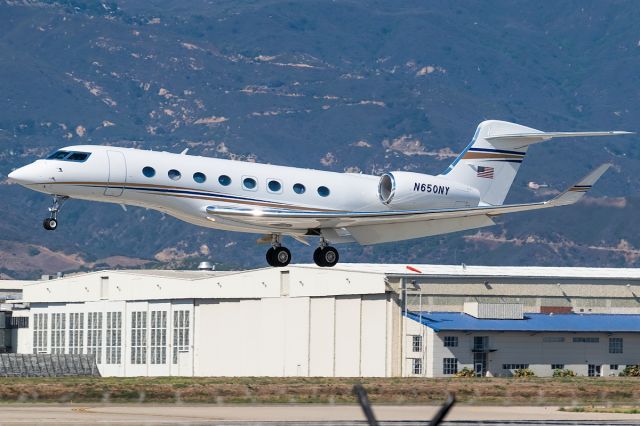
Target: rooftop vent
[494,310]
[206,266]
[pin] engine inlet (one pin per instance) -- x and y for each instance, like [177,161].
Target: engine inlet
[386,188]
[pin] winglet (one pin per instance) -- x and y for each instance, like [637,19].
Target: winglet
[578,190]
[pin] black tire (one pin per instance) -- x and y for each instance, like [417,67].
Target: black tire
[326,257]
[281,257]
[50,224]
[270,256]
[317,257]
[330,256]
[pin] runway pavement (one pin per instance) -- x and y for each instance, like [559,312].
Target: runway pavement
[290,415]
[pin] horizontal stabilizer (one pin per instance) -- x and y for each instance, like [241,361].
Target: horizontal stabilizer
[536,137]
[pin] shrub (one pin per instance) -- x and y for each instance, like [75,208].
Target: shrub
[466,372]
[523,372]
[631,371]
[563,373]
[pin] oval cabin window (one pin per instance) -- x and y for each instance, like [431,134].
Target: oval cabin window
[149,172]
[174,174]
[323,191]
[199,177]
[299,188]
[274,186]
[249,183]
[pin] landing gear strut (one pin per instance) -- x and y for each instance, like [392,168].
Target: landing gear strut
[278,255]
[325,255]
[51,223]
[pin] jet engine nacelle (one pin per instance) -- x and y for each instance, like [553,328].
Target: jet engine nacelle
[416,191]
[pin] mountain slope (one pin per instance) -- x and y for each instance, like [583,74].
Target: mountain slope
[357,86]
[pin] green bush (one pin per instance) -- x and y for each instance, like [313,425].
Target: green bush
[631,371]
[466,372]
[563,373]
[523,372]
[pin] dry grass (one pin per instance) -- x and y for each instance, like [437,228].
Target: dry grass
[595,409]
[574,392]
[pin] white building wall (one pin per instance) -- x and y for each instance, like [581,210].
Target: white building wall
[431,353]
[321,334]
[226,338]
[185,353]
[347,337]
[131,368]
[530,349]
[271,337]
[413,328]
[292,336]
[125,367]
[576,356]
[374,335]
[162,368]
[22,338]
[296,352]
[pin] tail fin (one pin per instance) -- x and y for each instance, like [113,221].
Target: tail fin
[492,159]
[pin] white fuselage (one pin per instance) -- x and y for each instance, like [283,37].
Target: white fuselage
[115,175]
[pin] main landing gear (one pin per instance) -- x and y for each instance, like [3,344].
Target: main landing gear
[51,223]
[280,256]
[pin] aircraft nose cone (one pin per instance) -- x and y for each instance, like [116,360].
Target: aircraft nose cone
[24,175]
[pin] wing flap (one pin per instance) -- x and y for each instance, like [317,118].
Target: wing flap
[399,231]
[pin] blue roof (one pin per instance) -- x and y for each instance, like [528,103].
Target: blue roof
[593,323]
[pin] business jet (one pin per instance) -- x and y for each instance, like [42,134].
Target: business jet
[279,201]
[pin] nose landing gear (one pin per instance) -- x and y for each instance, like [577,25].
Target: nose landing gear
[278,255]
[51,223]
[325,255]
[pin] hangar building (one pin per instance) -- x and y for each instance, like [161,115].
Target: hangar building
[350,320]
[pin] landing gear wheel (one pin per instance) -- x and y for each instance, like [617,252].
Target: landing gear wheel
[281,256]
[270,256]
[50,224]
[317,256]
[326,256]
[278,256]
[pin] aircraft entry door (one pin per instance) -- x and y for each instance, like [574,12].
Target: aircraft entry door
[117,174]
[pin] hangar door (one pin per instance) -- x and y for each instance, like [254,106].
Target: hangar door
[117,174]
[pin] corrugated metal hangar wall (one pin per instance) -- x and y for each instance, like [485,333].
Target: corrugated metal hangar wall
[344,321]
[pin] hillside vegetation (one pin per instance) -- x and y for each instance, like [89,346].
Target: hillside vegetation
[344,86]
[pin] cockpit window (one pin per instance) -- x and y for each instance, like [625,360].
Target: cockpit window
[77,156]
[58,155]
[69,156]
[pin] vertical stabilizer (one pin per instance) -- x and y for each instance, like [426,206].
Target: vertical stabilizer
[491,165]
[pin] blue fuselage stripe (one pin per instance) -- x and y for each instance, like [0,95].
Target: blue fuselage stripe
[187,192]
[500,151]
[503,160]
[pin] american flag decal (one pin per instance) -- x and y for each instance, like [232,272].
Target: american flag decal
[485,172]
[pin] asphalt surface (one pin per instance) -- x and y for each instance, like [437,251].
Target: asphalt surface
[293,415]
